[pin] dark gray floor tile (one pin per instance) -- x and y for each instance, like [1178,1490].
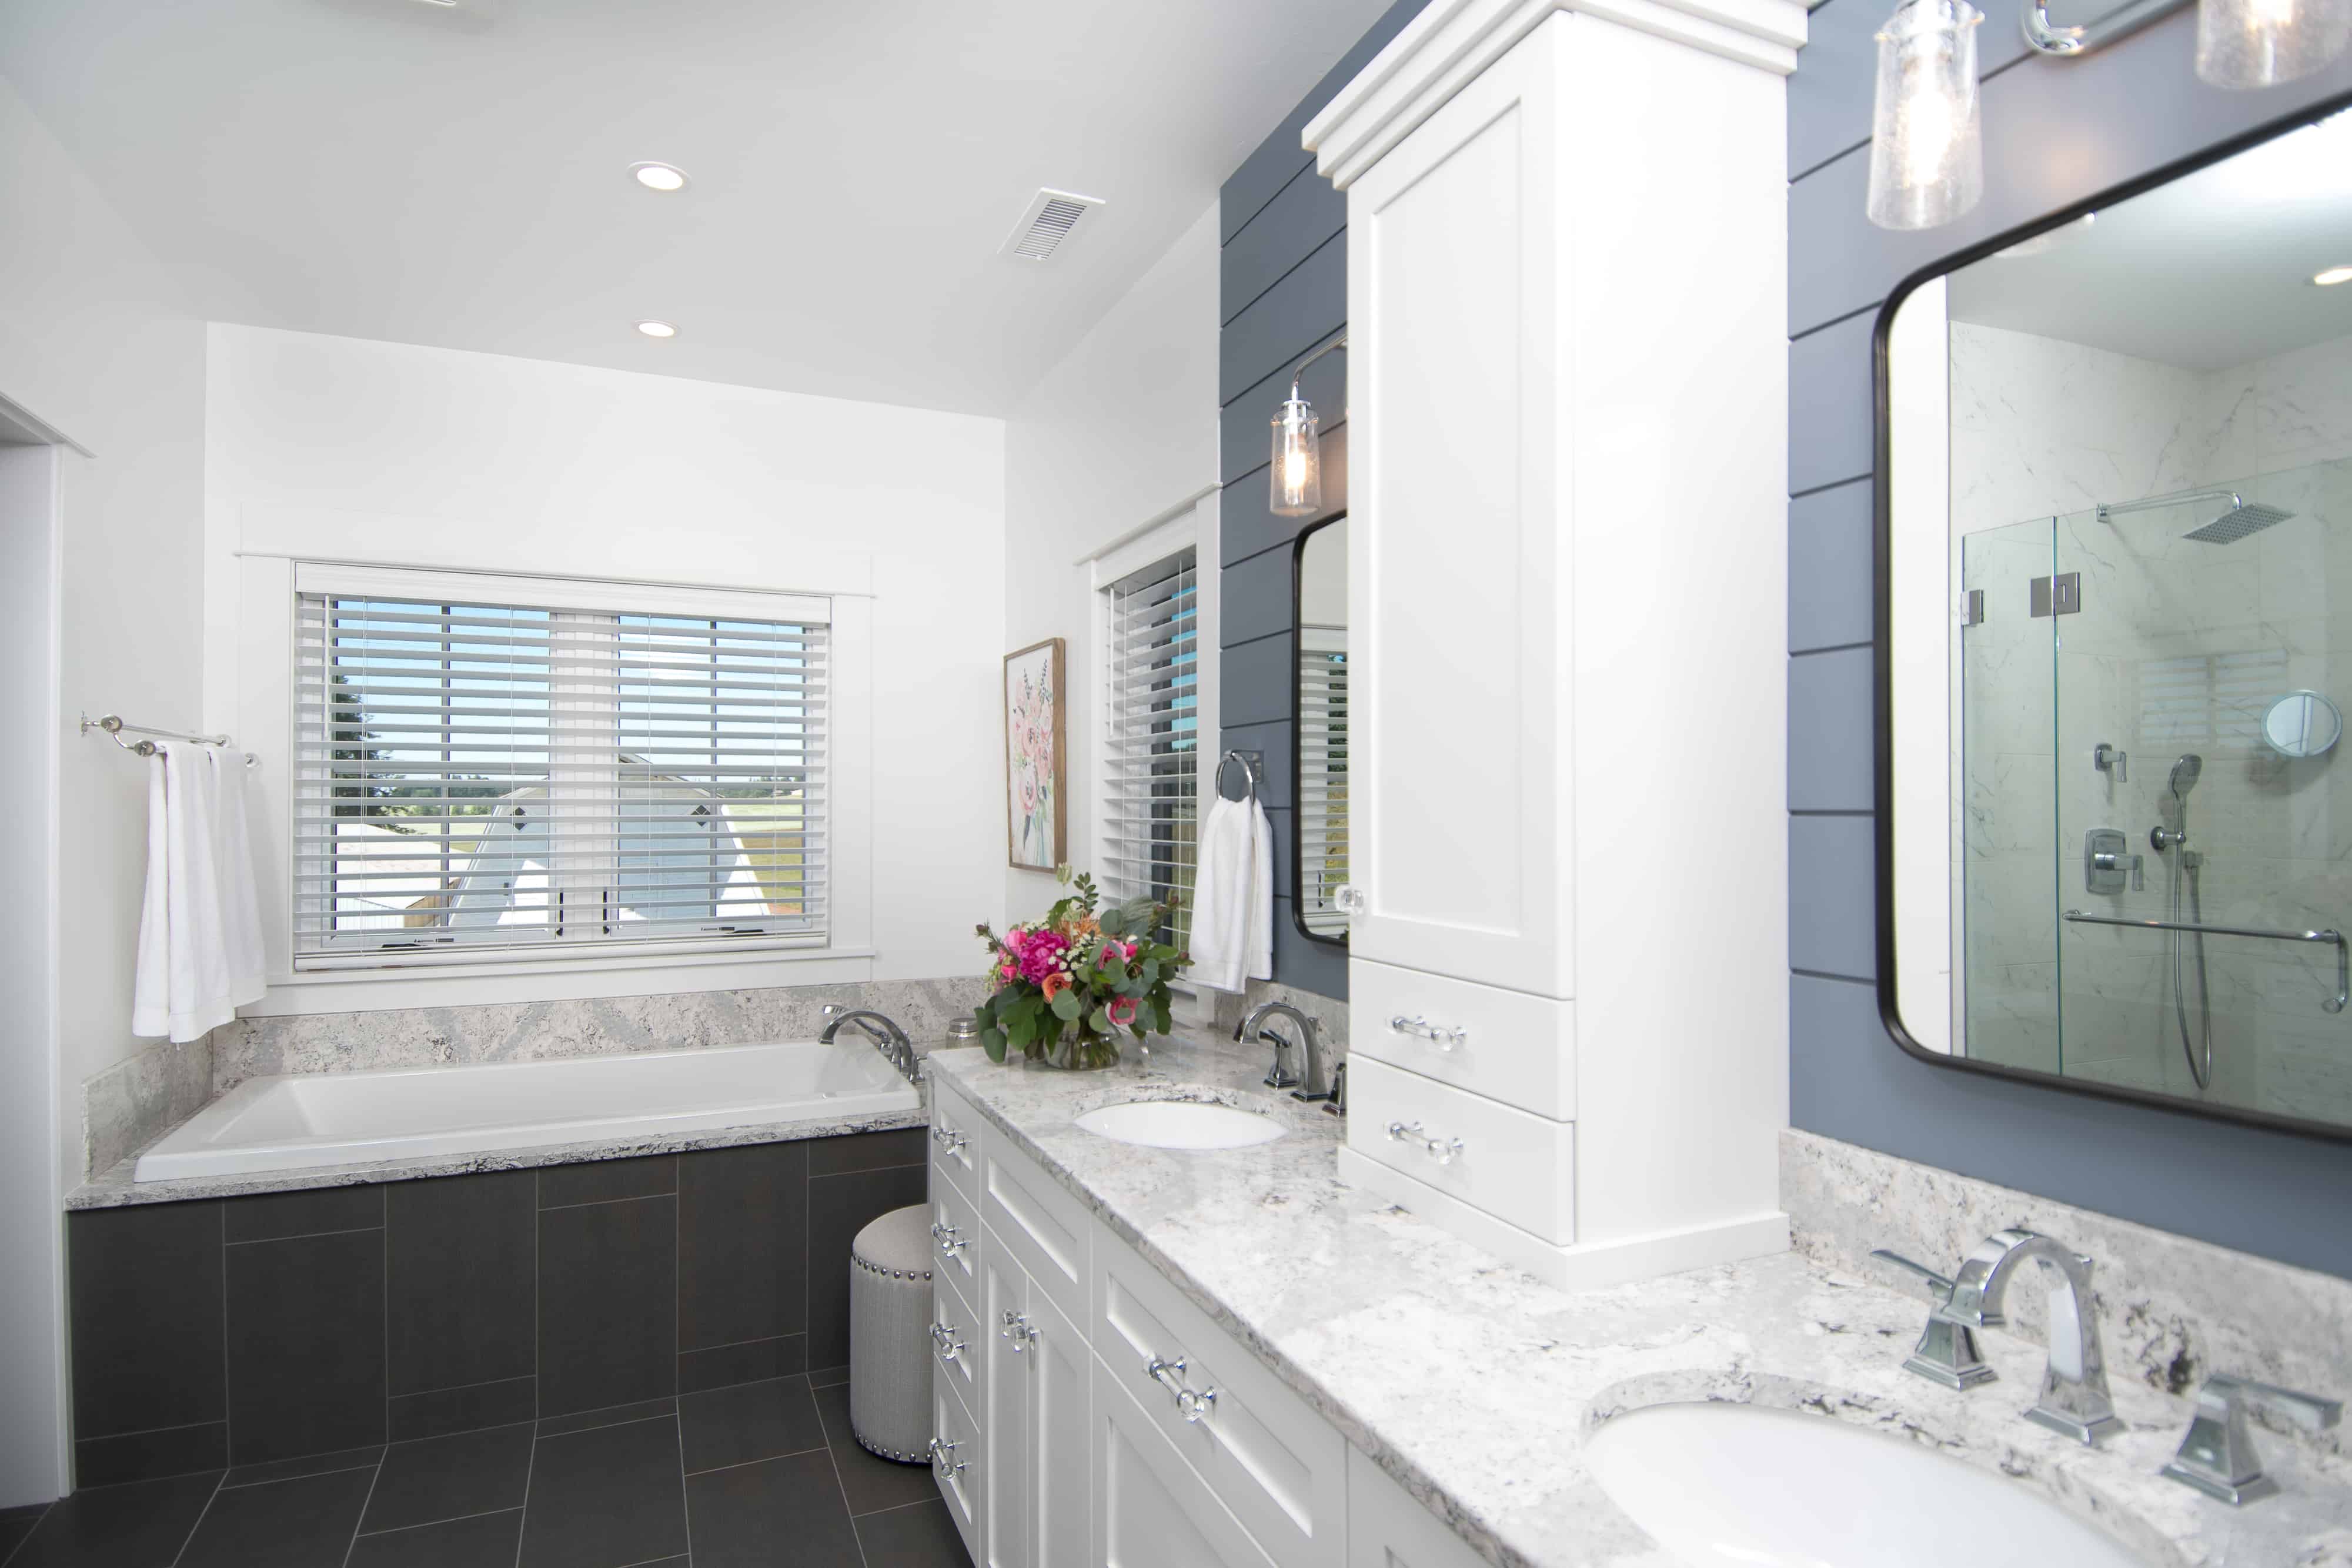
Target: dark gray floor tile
[305,1345]
[605,1498]
[449,1478]
[778,1513]
[142,1525]
[609,1415]
[146,1455]
[755,1361]
[603,1181]
[305,1523]
[607,1304]
[459,1281]
[485,1541]
[920,1535]
[750,1421]
[446,1410]
[15,1524]
[743,1245]
[839,1207]
[870,1481]
[309,1465]
[828,1376]
[279,1214]
[137,1369]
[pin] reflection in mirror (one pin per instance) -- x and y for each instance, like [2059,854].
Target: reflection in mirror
[1321,714]
[2118,515]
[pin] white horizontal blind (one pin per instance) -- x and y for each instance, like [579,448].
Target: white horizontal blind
[1151,792]
[474,776]
[1322,778]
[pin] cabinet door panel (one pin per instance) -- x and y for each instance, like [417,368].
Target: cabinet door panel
[1047,1229]
[961,1467]
[955,1247]
[956,1340]
[1150,1510]
[1061,1373]
[1004,1291]
[1386,1529]
[955,1140]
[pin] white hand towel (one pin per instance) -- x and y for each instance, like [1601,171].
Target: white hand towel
[1232,897]
[150,1004]
[233,864]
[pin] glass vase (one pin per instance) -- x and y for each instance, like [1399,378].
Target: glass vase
[1079,1049]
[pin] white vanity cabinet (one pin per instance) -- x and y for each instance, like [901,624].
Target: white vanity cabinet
[1037,1367]
[1567,408]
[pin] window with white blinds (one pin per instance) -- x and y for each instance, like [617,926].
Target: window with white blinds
[1322,778]
[1151,766]
[534,780]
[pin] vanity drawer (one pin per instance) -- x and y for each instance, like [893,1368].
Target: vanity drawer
[1045,1229]
[1515,1166]
[1507,1045]
[1265,1455]
[957,1340]
[955,1238]
[955,1139]
[956,1463]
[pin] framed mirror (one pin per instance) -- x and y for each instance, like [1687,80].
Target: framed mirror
[2114,491]
[1318,729]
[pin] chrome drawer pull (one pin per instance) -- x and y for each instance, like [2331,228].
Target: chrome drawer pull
[1445,1151]
[944,1465]
[1017,1329]
[1444,1037]
[1190,1404]
[945,1343]
[941,1234]
[948,1138]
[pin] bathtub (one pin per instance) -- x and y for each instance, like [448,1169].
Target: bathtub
[297,1121]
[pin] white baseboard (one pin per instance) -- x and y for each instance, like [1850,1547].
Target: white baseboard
[1579,1266]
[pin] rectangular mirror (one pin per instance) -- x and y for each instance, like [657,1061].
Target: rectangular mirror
[1320,730]
[2115,641]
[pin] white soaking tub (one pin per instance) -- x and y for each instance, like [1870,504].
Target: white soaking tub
[297,1120]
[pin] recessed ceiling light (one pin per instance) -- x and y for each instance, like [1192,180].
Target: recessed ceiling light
[2333,275]
[658,328]
[659,176]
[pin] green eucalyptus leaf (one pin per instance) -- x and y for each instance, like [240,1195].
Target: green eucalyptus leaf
[992,1041]
[1065,1006]
[1100,1021]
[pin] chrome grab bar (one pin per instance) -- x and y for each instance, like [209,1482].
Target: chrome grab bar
[2335,1004]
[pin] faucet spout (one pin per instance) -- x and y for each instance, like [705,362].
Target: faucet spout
[881,1028]
[1310,1081]
[2073,1398]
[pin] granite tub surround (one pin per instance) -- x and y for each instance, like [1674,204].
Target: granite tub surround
[137,1101]
[534,1031]
[1473,1385]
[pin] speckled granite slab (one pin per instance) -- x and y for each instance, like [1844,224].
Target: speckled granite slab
[1473,1385]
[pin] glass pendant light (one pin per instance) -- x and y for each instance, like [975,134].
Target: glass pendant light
[1298,472]
[2261,42]
[1926,150]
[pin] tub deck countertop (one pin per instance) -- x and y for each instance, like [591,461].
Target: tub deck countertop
[118,1187]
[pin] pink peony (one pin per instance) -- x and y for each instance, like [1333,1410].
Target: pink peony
[1041,954]
[1122,1011]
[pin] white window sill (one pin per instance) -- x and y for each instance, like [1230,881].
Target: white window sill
[571,978]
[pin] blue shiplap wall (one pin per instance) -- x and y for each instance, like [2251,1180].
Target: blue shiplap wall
[1283,290]
[2056,131]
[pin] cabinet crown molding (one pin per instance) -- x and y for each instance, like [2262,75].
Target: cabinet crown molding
[1449,44]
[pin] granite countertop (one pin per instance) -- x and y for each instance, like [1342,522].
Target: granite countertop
[1473,1385]
[118,1186]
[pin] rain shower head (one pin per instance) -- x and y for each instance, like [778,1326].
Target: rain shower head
[2185,774]
[2236,523]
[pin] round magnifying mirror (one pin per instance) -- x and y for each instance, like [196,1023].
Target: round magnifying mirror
[2302,723]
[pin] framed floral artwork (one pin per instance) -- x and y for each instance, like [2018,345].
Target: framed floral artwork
[1035,807]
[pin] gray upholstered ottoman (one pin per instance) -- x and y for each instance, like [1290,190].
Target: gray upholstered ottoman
[889,1335]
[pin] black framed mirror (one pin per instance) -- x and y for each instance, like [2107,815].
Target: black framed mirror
[2114,562]
[1318,729]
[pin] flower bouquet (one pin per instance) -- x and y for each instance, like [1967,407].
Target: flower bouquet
[1068,984]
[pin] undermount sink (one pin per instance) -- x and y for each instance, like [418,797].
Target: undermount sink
[1180,1125]
[1722,1485]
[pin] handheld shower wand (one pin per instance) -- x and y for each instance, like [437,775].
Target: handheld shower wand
[2184,862]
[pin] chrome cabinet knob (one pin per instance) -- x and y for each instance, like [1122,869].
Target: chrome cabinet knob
[945,1343]
[1349,899]
[948,1138]
[1017,1328]
[1444,1037]
[950,1241]
[944,1464]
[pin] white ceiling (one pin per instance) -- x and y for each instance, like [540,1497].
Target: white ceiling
[2211,271]
[456,176]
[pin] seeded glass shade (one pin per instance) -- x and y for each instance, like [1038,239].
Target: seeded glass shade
[2261,42]
[1926,150]
[1297,475]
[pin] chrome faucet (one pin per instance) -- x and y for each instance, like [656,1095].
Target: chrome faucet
[2073,1398]
[892,1040]
[1313,1084]
[2217,1455]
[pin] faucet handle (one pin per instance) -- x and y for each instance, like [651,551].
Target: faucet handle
[1946,1353]
[1939,1286]
[2217,1455]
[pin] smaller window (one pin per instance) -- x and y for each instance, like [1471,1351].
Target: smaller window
[1150,765]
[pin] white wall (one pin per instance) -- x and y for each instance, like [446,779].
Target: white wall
[1121,432]
[94,344]
[345,449]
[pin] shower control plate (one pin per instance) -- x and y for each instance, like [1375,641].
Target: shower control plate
[2106,864]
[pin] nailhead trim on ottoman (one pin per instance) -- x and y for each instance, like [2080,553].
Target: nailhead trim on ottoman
[889,1335]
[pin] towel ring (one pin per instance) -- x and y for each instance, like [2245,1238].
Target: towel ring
[1250,775]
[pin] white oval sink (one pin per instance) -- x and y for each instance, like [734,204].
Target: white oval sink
[1734,1486]
[1180,1125]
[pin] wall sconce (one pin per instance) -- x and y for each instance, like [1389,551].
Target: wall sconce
[1295,478]
[2261,42]
[1926,148]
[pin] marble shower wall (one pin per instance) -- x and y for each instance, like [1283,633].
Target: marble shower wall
[2178,646]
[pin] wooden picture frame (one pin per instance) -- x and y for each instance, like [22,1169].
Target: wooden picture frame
[1036,800]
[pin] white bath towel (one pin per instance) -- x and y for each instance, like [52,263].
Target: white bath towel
[1232,897]
[199,926]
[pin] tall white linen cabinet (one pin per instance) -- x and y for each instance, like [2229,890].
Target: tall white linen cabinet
[1567,404]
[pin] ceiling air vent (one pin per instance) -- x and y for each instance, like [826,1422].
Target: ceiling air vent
[1050,217]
